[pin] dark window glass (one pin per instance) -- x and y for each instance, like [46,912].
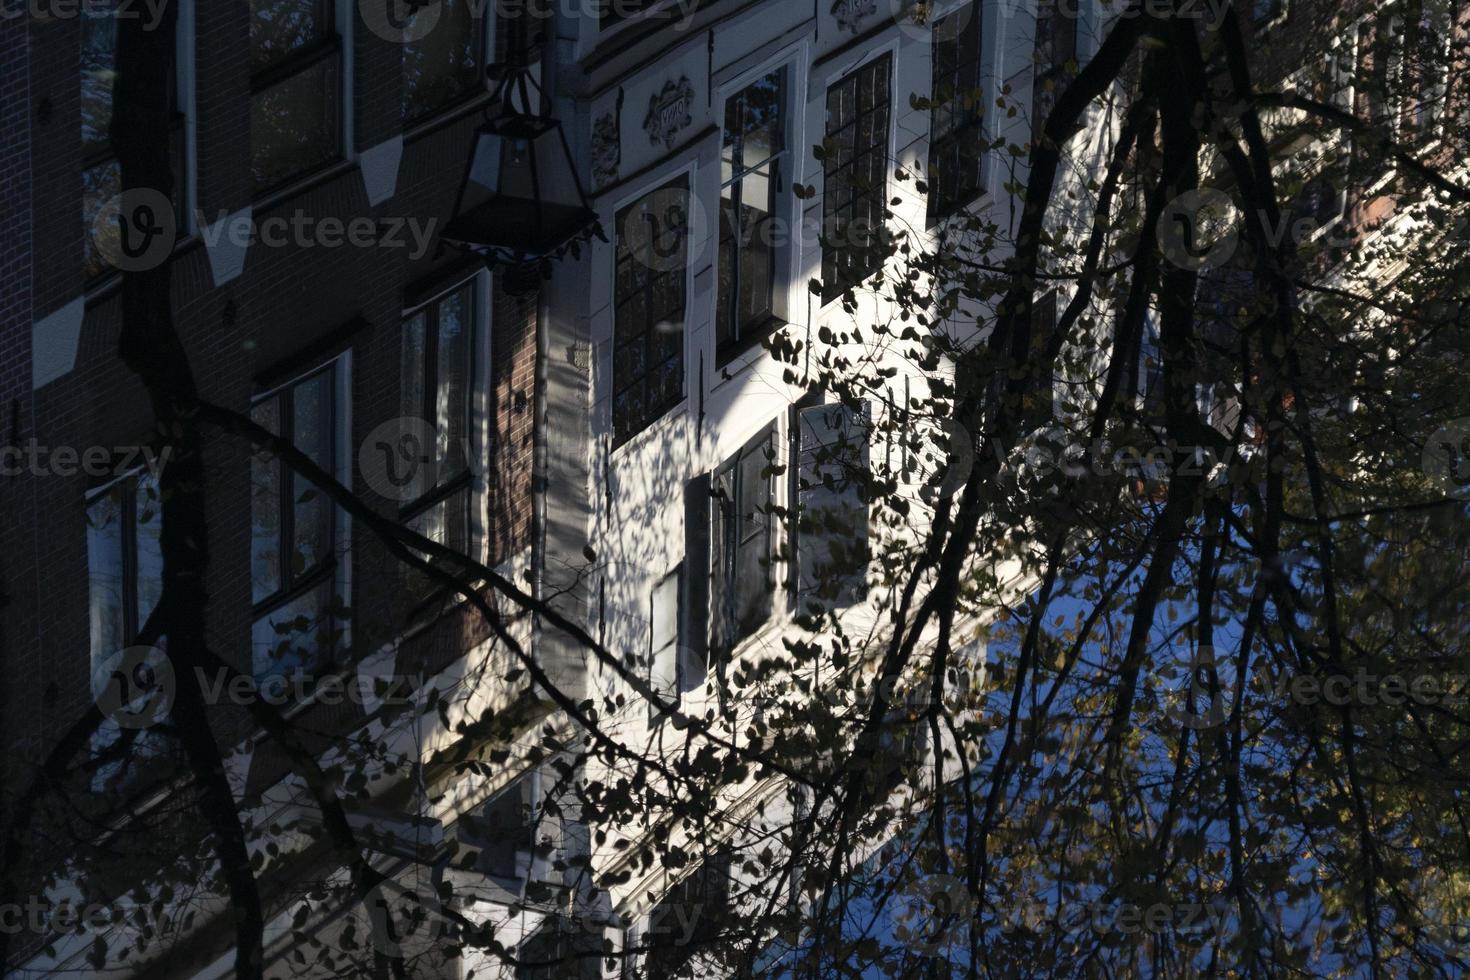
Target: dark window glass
[1265,11]
[502,832]
[295,101]
[751,168]
[293,532]
[280,29]
[101,176]
[855,174]
[561,950]
[436,386]
[99,71]
[741,539]
[1056,56]
[124,584]
[832,511]
[443,67]
[956,146]
[674,936]
[649,298]
[124,561]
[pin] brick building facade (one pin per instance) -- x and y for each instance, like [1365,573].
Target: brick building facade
[257,320]
[254,312]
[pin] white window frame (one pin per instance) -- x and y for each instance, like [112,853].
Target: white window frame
[835,75]
[481,423]
[341,367]
[697,241]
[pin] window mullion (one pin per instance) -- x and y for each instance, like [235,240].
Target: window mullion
[288,480]
[431,368]
[330,465]
[737,201]
[129,518]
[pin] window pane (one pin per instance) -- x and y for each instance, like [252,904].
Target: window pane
[311,432]
[832,514]
[445,63]
[757,199]
[148,559]
[722,556]
[855,175]
[446,522]
[754,121]
[294,125]
[452,399]
[279,27]
[730,142]
[99,58]
[729,257]
[100,184]
[106,601]
[955,150]
[649,315]
[503,830]
[741,577]
[763,124]
[265,507]
[411,377]
[296,638]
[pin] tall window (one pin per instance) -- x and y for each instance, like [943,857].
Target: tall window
[436,386]
[443,67]
[101,176]
[855,176]
[293,559]
[562,949]
[295,90]
[649,300]
[751,167]
[1056,57]
[124,561]
[956,145]
[742,493]
[124,584]
[673,936]
[502,833]
[831,528]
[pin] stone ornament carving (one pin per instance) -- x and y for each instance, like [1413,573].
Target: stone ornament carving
[850,14]
[607,150]
[669,112]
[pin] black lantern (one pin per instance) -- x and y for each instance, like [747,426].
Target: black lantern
[521,202]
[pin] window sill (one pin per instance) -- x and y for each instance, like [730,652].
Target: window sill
[415,129]
[737,361]
[967,209]
[658,426]
[828,301]
[295,187]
